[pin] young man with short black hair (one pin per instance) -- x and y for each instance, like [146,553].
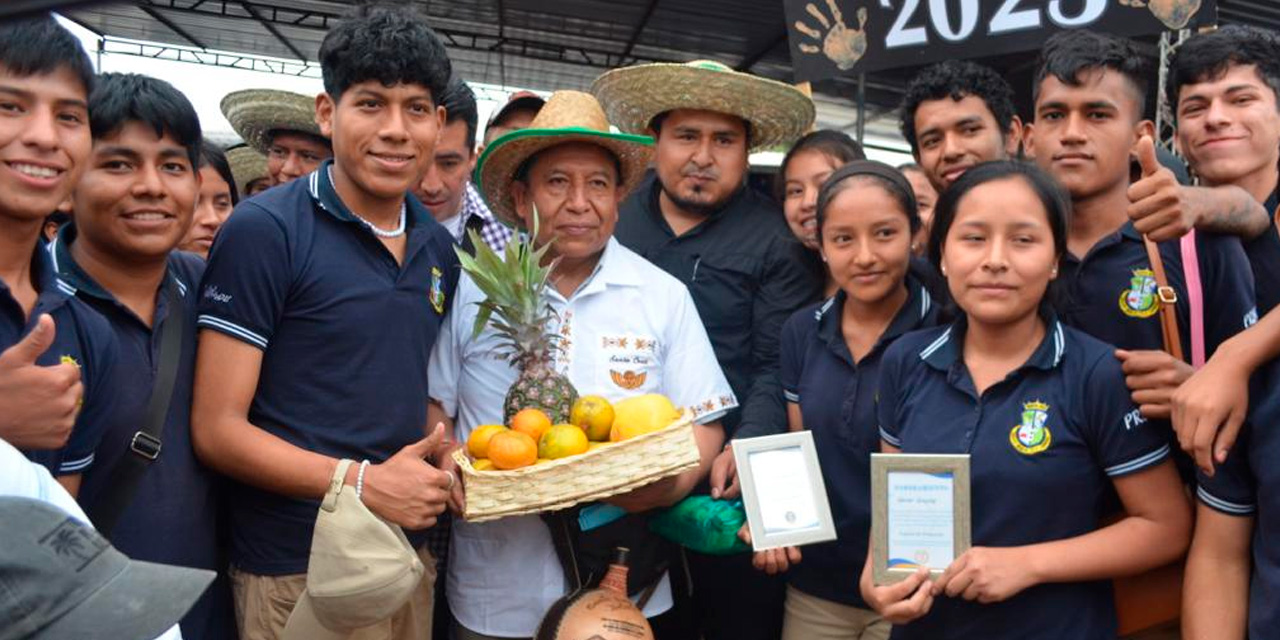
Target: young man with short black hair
[132,206]
[1089,102]
[957,114]
[319,308]
[57,356]
[446,189]
[1226,88]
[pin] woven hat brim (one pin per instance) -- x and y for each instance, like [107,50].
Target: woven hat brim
[631,96]
[255,113]
[495,171]
[247,165]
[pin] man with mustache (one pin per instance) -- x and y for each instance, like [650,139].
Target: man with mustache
[696,219]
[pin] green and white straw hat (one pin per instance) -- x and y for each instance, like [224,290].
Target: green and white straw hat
[568,116]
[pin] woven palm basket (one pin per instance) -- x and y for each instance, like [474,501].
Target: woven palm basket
[586,477]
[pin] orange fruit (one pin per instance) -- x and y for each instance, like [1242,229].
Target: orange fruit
[596,445]
[478,441]
[483,464]
[594,415]
[512,450]
[531,422]
[562,441]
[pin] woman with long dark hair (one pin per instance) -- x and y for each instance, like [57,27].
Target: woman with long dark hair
[1043,411]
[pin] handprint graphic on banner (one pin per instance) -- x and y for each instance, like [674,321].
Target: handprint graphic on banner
[842,45]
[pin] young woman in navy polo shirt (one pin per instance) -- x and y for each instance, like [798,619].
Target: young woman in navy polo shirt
[1044,413]
[865,220]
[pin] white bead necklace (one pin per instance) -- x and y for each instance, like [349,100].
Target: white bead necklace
[382,233]
[394,233]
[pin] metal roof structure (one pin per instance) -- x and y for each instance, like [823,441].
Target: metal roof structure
[541,44]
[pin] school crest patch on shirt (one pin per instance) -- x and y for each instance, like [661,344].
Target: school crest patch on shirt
[1032,435]
[1140,299]
[436,295]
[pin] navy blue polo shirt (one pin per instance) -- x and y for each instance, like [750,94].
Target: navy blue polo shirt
[1110,292]
[1264,257]
[837,403]
[1248,485]
[82,336]
[1045,443]
[346,333]
[173,518]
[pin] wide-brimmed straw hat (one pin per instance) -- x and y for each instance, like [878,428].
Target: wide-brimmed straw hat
[256,113]
[568,116]
[247,165]
[778,112]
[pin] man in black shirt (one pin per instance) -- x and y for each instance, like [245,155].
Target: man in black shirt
[695,218]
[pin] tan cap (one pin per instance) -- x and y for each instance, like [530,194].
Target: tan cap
[361,571]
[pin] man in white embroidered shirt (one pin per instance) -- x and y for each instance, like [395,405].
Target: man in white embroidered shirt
[567,166]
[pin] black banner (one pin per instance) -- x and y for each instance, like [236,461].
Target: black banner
[836,37]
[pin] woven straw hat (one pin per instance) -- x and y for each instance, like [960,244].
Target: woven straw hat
[778,112]
[568,116]
[247,165]
[255,113]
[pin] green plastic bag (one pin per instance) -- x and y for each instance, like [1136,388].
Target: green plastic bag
[703,524]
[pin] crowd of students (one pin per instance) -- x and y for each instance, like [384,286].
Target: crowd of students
[198,337]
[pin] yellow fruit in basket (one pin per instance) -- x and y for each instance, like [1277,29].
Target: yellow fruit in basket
[542,461]
[562,441]
[594,415]
[482,464]
[478,441]
[531,422]
[640,415]
[512,450]
[596,445]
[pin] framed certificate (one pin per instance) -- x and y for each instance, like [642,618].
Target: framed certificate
[782,491]
[919,513]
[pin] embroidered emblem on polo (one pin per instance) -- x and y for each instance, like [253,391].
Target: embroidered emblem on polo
[1140,299]
[1032,436]
[66,359]
[628,379]
[436,295]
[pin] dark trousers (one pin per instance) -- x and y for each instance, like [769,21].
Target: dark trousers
[730,600]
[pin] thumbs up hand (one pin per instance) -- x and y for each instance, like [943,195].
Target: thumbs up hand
[406,490]
[1158,205]
[38,405]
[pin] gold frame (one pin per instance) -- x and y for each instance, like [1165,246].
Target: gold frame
[882,464]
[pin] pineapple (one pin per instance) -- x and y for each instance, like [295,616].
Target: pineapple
[514,290]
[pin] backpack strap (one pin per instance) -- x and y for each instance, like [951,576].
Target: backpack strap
[1195,296]
[1168,299]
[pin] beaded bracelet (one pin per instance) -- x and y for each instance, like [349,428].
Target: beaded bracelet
[364,464]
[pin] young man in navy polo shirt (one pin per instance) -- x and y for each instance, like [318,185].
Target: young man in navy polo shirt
[1226,88]
[1089,96]
[319,309]
[56,354]
[132,207]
